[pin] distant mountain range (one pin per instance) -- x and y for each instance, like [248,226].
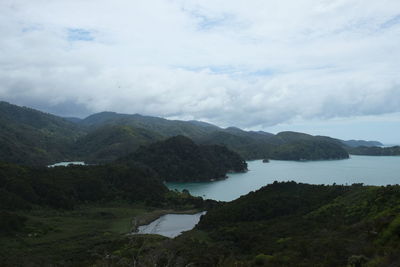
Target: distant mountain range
[357,143]
[33,137]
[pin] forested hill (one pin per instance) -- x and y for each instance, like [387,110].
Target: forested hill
[357,143]
[164,127]
[66,187]
[110,142]
[281,224]
[180,159]
[290,224]
[309,150]
[375,151]
[31,137]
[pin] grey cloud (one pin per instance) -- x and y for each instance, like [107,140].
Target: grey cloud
[315,60]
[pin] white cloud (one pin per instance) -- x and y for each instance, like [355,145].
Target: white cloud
[243,63]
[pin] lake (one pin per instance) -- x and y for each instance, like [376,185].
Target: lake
[370,170]
[171,225]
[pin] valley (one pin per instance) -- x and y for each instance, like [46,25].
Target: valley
[306,204]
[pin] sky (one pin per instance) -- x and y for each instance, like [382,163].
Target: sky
[328,67]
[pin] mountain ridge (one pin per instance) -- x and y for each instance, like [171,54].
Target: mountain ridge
[33,137]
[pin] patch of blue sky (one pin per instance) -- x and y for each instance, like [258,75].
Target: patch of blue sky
[31,28]
[391,22]
[206,22]
[77,34]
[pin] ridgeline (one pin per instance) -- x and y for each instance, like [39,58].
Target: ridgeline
[34,138]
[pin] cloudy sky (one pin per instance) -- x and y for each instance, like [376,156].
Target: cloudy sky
[319,66]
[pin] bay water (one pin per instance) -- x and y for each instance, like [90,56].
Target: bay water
[370,170]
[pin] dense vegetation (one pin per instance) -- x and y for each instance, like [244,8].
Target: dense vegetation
[31,137]
[66,187]
[357,143]
[309,150]
[167,128]
[79,215]
[249,146]
[108,143]
[284,224]
[375,151]
[64,215]
[180,159]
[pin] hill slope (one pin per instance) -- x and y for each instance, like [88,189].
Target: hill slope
[287,224]
[313,149]
[164,127]
[32,137]
[66,187]
[283,224]
[375,151]
[357,143]
[110,142]
[180,159]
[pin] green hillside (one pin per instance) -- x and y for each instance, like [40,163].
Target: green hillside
[309,149]
[164,127]
[287,224]
[68,216]
[375,151]
[32,137]
[180,159]
[358,143]
[108,143]
[65,187]
[245,146]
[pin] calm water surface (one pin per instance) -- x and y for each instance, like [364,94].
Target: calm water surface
[370,170]
[171,225]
